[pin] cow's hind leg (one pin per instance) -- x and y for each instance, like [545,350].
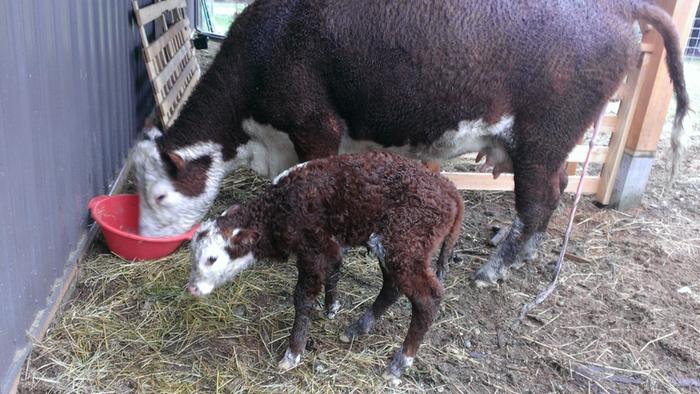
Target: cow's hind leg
[528,252]
[539,182]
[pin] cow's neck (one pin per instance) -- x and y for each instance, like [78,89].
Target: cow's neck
[211,112]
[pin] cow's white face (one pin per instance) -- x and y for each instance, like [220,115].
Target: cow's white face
[218,256]
[175,189]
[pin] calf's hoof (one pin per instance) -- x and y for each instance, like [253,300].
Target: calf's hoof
[332,311]
[289,361]
[440,274]
[398,364]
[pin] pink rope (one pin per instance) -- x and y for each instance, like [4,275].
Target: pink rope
[567,234]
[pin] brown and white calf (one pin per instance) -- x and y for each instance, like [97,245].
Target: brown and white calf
[295,80]
[401,210]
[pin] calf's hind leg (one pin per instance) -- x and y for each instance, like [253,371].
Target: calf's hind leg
[424,291]
[387,295]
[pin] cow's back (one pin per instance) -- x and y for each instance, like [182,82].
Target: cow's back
[401,72]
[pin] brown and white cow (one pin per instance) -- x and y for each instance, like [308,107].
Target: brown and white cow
[301,79]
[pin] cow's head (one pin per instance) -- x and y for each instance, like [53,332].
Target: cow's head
[219,254]
[177,187]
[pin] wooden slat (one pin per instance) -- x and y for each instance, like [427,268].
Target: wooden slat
[156,46]
[648,47]
[171,101]
[148,14]
[184,97]
[164,76]
[619,93]
[483,181]
[578,154]
[617,142]
[609,123]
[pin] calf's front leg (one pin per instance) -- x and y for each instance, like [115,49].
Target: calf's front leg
[309,284]
[332,304]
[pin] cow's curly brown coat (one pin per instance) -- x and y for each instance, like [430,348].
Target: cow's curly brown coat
[402,73]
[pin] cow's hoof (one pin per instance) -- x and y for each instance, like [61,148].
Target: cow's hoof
[488,276]
[519,263]
[289,361]
[333,310]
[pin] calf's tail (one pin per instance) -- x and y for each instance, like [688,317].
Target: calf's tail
[663,23]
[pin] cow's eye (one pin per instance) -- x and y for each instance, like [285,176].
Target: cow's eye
[211,260]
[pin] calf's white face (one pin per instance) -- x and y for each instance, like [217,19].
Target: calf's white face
[177,189]
[218,256]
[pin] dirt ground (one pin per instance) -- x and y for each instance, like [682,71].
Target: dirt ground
[625,316]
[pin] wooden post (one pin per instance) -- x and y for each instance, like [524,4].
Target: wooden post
[647,114]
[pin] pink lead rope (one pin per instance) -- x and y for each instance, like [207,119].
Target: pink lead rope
[567,234]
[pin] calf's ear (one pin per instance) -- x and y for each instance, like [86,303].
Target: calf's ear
[245,237]
[231,210]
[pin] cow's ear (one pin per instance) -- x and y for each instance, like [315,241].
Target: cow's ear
[177,160]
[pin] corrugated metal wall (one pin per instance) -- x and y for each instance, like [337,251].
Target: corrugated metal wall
[73,94]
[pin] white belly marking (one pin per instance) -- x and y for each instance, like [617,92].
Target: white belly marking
[469,136]
[269,151]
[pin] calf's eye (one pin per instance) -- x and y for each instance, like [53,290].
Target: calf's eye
[211,260]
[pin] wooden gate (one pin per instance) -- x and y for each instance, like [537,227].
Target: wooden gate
[170,58]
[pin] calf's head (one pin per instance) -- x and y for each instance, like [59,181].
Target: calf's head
[176,187]
[219,254]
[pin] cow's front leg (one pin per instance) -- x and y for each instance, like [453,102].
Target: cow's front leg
[309,285]
[537,192]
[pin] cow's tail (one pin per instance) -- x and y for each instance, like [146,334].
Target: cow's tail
[450,239]
[663,23]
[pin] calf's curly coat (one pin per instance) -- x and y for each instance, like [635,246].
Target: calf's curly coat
[402,211]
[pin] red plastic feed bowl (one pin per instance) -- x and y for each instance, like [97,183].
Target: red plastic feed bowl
[118,216]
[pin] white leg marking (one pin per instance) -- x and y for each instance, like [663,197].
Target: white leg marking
[289,361]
